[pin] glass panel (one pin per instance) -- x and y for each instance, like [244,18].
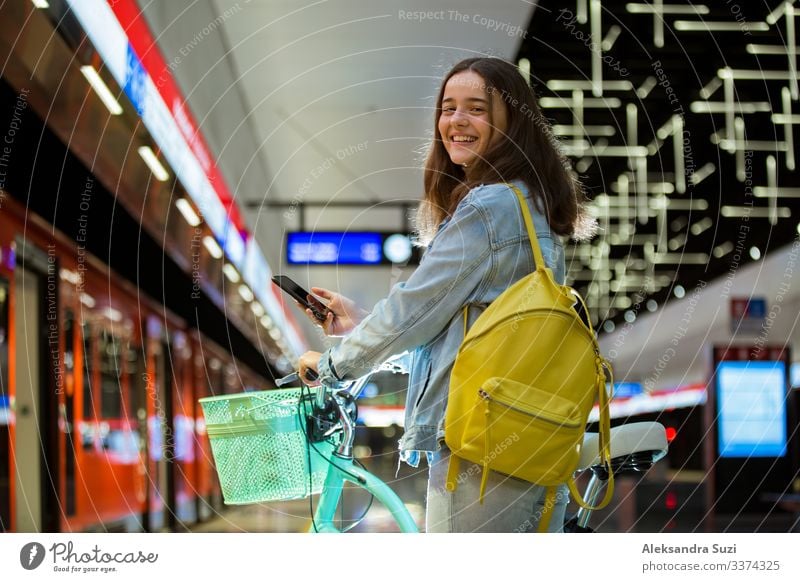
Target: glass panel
[87,430]
[110,385]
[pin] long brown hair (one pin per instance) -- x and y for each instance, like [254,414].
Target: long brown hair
[527,151]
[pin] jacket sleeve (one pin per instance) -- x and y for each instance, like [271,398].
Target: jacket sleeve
[416,311]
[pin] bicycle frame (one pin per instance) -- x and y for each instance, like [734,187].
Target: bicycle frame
[342,468]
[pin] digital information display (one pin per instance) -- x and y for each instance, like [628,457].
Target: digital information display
[751,408]
[347,248]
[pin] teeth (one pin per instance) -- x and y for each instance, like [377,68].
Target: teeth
[467,138]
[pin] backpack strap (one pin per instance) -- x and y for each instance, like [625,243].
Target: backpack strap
[604,435]
[526,215]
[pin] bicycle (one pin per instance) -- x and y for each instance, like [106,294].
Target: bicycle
[323,422]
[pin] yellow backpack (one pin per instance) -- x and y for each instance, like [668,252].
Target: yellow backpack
[523,384]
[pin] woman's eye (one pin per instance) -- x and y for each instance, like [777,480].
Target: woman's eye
[448,109]
[477,110]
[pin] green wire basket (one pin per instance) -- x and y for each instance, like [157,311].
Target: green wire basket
[260,450]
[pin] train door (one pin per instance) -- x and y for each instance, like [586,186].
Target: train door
[5,410]
[35,438]
[161,492]
[166,468]
[137,413]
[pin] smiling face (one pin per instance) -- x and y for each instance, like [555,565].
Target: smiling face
[470,120]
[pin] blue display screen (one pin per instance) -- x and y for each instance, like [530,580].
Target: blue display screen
[751,408]
[334,248]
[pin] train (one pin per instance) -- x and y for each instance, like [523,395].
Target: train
[100,426]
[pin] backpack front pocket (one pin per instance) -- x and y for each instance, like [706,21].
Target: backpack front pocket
[528,432]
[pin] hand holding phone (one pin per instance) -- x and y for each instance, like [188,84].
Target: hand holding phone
[302,296]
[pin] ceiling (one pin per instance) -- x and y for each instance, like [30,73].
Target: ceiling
[681,142]
[691,173]
[320,102]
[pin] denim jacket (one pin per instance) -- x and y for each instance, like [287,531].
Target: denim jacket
[475,255]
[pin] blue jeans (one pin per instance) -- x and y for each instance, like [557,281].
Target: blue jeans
[510,505]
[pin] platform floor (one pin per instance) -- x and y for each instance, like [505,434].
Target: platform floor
[658,502]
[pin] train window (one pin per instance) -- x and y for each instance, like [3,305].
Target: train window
[87,430]
[110,386]
[137,380]
[69,410]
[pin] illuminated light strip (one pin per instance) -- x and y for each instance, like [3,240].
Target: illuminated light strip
[722,250]
[524,66]
[644,89]
[752,212]
[703,173]
[711,88]
[568,85]
[185,208]
[246,293]
[632,130]
[159,171]
[658,23]
[608,151]
[622,186]
[697,204]
[593,130]
[677,242]
[677,148]
[775,15]
[644,403]
[723,107]
[591,102]
[792,52]
[739,140]
[767,49]
[596,47]
[772,183]
[101,90]
[41,3]
[610,38]
[641,189]
[701,226]
[782,192]
[717,26]
[581,12]
[788,136]
[212,246]
[680,258]
[636,8]
[785,119]
[753,75]
[231,273]
[732,145]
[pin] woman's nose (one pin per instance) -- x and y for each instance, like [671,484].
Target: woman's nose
[459,118]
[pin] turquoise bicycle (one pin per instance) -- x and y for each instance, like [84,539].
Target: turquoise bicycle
[290,443]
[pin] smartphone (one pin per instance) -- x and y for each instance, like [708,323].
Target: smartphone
[302,296]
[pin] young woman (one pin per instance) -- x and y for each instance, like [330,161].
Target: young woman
[489,132]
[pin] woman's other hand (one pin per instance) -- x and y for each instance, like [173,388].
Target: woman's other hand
[343,313]
[309,362]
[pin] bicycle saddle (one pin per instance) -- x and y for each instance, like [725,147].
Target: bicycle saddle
[633,446]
